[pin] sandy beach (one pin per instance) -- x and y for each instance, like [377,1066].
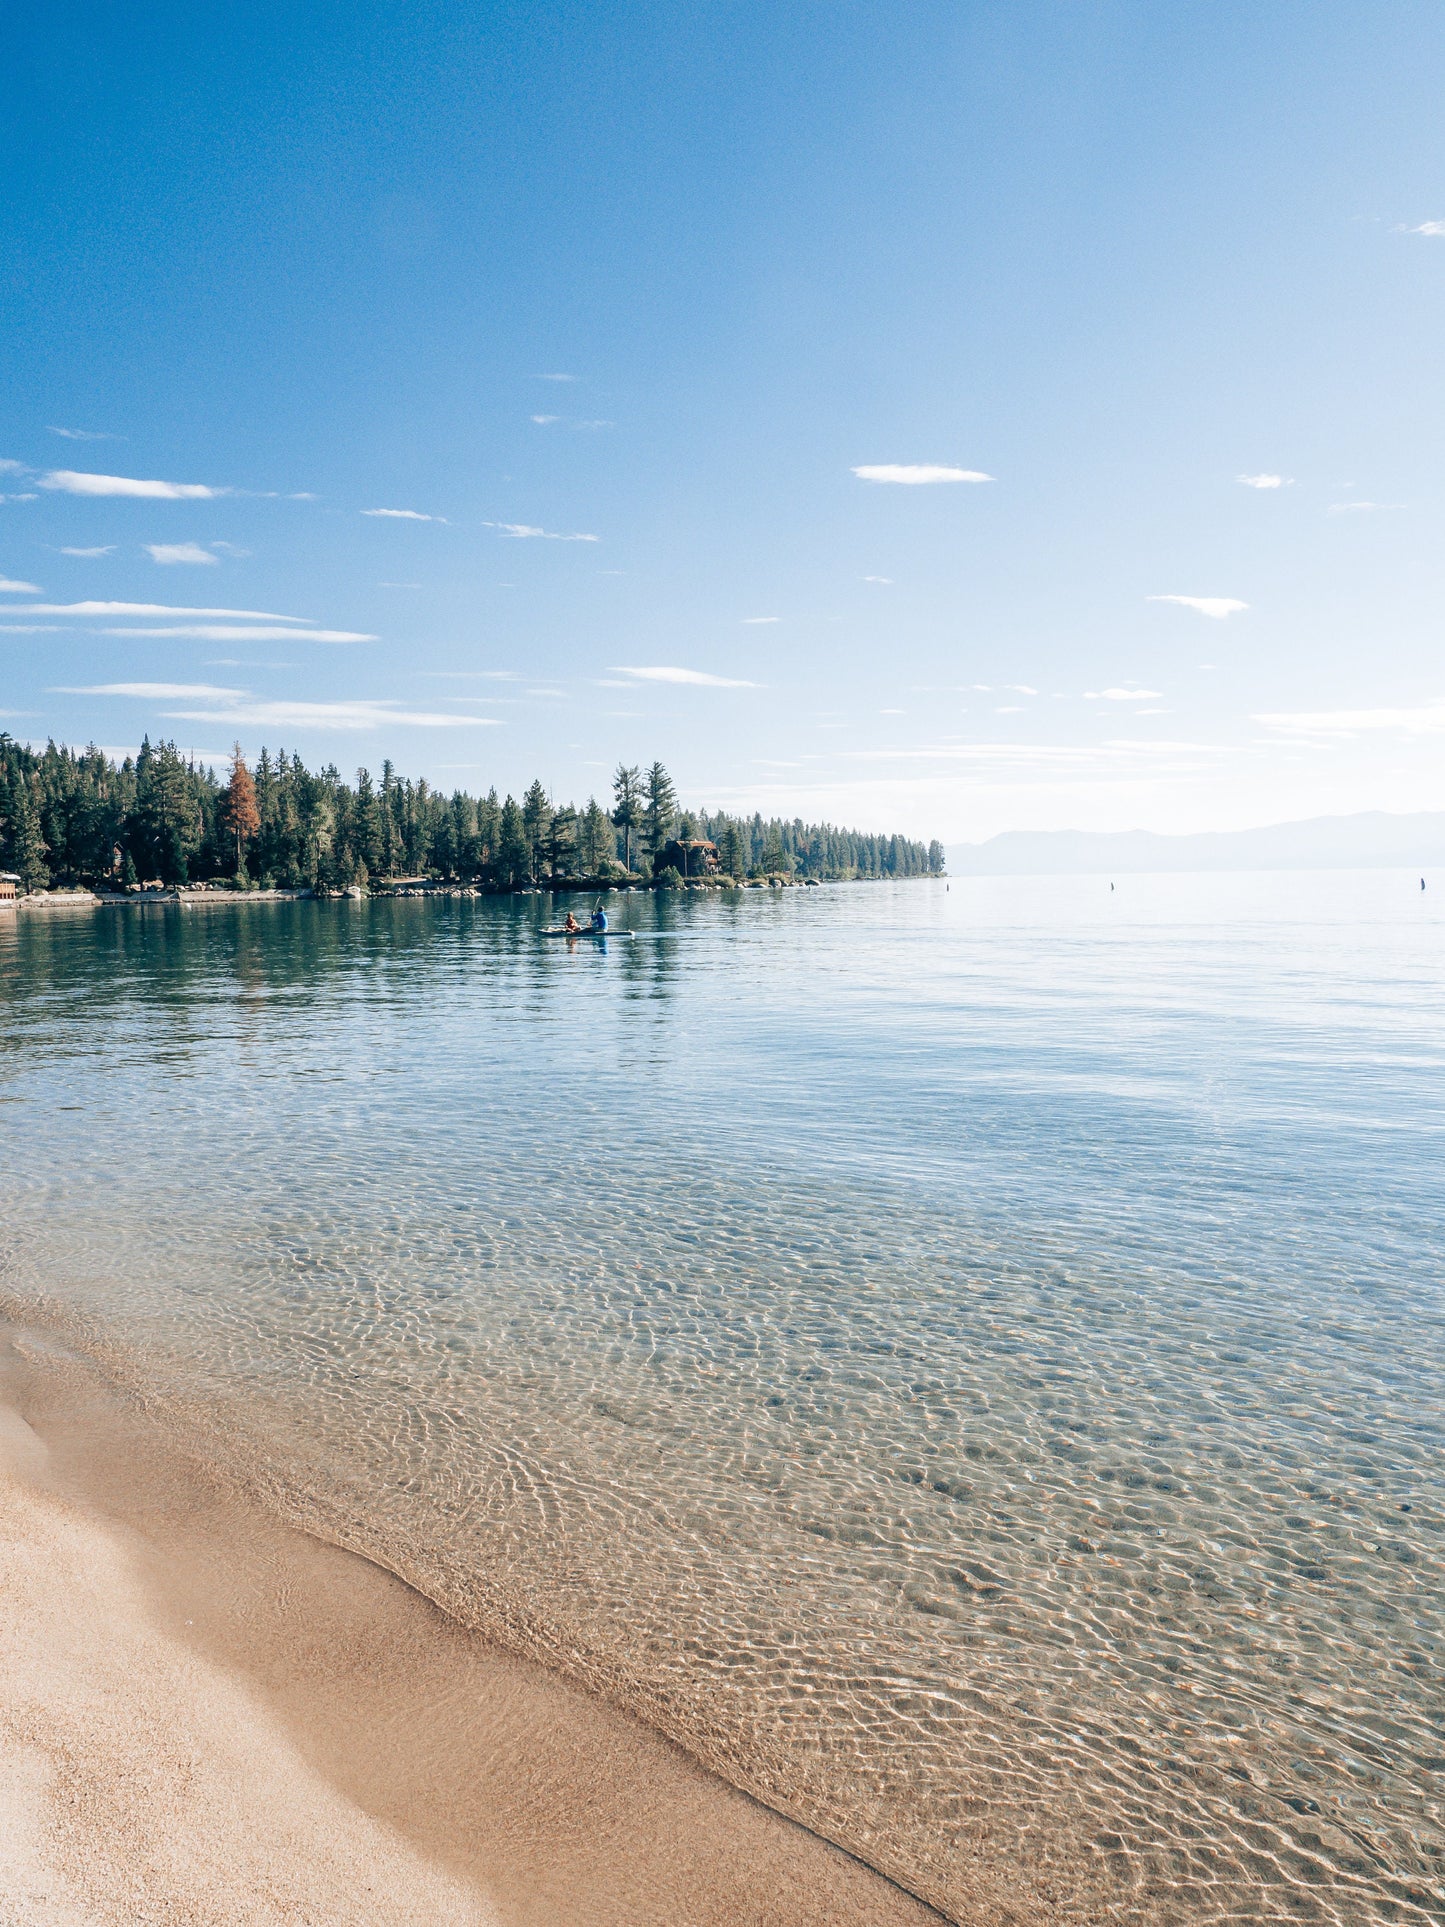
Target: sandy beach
[211,1718]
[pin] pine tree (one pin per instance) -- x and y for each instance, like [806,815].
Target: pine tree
[514,852]
[730,851]
[239,810]
[626,806]
[594,838]
[657,819]
[27,846]
[562,840]
[537,820]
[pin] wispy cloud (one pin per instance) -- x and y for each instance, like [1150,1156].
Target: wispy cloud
[153,609]
[914,474]
[1021,688]
[525,532]
[86,435]
[216,632]
[9,587]
[753,621]
[1359,508]
[403,515]
[556,378]
[1427,719]
[160,691]
[238,708]
[30,497]
[1266,481]
[888,579]
[661,673]
[89,554]
[1122,695]
[174,552]
[1217,607]
[1432,228]
[546,421]
[330,716]
[70,483]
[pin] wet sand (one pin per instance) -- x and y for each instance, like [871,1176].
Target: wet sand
[208,1717]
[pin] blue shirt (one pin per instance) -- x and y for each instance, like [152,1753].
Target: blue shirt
[599,919]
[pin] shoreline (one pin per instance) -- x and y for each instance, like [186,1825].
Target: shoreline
[214,1714]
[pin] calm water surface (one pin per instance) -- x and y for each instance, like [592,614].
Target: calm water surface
[968,1363]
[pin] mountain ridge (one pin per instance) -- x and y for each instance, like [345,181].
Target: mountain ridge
[1366,840]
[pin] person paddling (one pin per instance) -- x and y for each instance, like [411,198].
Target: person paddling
[599,918]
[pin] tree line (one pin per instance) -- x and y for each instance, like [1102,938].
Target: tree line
[72,816]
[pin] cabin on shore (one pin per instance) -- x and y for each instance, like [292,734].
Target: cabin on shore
[692,856]
[9,886]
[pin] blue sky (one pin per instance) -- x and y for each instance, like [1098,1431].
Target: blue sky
[608,307]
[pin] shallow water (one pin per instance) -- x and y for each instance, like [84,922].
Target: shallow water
[968,1362]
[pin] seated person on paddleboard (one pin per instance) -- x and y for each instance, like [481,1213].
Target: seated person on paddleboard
[571,925]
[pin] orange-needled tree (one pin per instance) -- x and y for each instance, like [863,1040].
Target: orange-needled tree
[239,806]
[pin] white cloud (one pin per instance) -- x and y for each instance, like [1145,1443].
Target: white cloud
[163,691]
[342,715]
[556,378]
[1434,228]
[173,552]
[524,531]
[1357,508]
[86,435]
[1265,481]
[69,483]
[893,712]
[215,632]
[699,676]
[238,708]
[753,621]
[7,467]
[1428,719]
[1122,695]
[1009,709]
[109,549]
[17,498]
[1021,689]
[152,609]
[915,473]
[404,515]
[229,548]
[879,578]
[545,421]
[1218,607]
[8,587]
[29,628]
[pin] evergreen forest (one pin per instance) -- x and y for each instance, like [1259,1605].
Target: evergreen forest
[75,817]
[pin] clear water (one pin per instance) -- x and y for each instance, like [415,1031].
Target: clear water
[966,1362]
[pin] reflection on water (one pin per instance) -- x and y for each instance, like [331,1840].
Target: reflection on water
[968,1363]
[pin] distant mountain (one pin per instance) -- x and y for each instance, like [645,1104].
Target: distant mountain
[1373,840]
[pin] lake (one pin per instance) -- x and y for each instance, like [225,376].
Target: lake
[966,1361]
